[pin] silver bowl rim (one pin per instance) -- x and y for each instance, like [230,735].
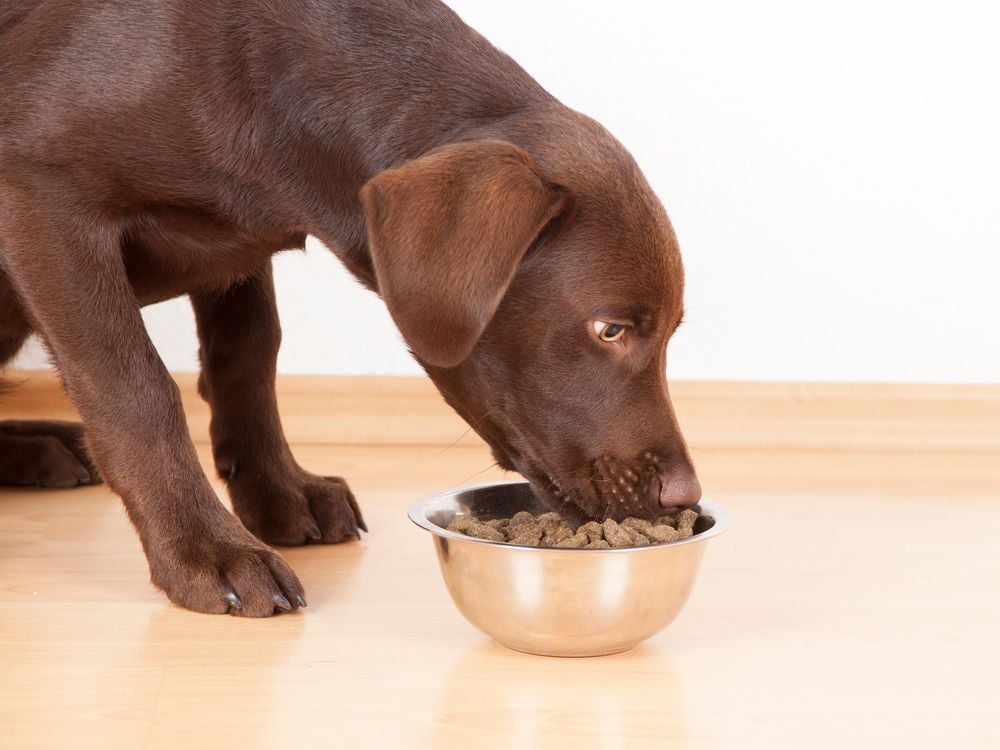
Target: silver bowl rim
[417,513]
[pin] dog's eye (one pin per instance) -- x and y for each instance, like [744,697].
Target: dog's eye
[609,332]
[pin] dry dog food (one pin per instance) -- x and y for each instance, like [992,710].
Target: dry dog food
[550,530]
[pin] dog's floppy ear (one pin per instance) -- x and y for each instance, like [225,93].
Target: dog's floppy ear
[447,232]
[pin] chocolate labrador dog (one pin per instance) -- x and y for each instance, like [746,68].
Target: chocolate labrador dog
[151,150]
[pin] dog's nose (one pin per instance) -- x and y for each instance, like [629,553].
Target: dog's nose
[679,490]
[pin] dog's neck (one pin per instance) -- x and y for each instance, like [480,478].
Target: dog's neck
[327,100]
[335,102]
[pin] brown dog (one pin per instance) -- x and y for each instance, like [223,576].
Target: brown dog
[150,150]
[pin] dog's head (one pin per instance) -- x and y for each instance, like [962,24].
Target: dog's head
[540,300]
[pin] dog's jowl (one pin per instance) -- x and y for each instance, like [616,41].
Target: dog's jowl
[151,150]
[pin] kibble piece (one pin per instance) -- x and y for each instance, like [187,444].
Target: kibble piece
[640,540]
[598,544]
[666,521]
[686,519]
[593,530]
[498,523]
[482,531]
[526,534]
[638,524]
[554,535]
[663,534]
[549,524]
[549,517]
[461,523]
[577,541]
[520,517]
[615,535]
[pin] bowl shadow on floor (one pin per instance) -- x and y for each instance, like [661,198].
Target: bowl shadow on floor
[548,701]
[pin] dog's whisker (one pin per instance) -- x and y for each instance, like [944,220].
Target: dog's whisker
[478,421]
[478,424]
[476,474]
[449,446]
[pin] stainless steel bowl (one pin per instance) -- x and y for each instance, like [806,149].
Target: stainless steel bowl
[560,602]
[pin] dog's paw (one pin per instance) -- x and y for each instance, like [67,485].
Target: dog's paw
[332,504]
[44,454]
[39,461]
[227,573]
[300,508]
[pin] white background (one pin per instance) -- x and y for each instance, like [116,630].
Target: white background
[832,170]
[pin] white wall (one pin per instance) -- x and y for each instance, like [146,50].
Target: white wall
[832,169]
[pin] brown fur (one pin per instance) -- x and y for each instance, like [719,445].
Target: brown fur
[166,148]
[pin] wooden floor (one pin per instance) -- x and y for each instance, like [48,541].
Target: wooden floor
[855,602]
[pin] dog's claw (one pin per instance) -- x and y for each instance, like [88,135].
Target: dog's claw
[234,601]
[282,603]
[313,532]
[300,601]
[356,510]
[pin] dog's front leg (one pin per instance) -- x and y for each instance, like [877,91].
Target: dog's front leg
[66,261]
[275,498]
